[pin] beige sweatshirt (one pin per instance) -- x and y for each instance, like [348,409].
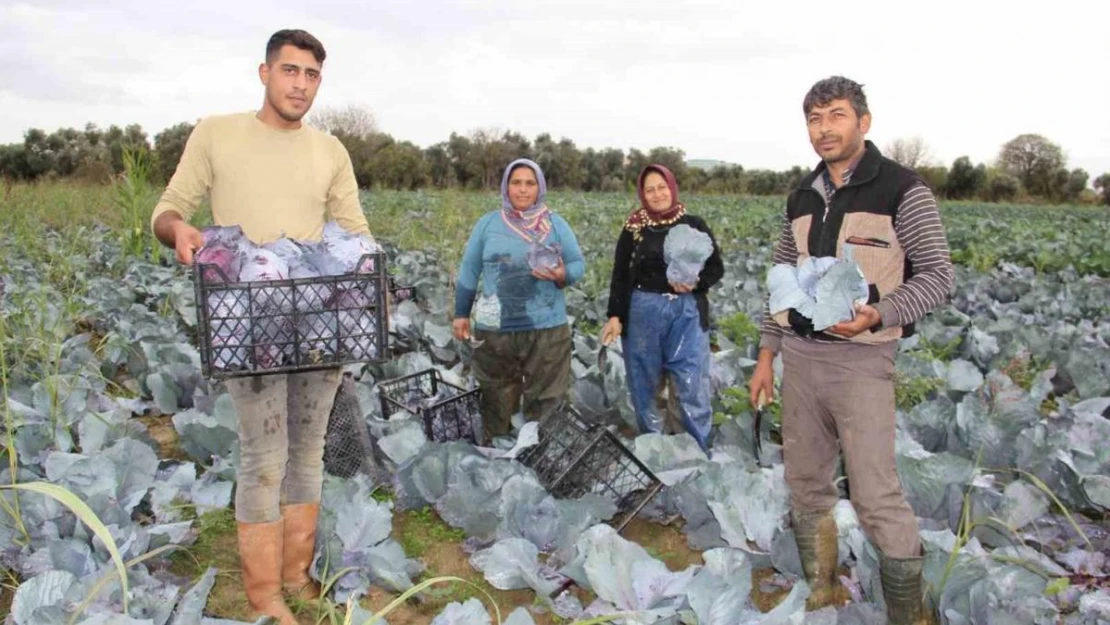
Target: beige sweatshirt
[268,181]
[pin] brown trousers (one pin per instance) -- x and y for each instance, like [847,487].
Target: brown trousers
[844,392]
[530,364]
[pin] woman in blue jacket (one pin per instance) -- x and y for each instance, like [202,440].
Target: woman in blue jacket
[516,264]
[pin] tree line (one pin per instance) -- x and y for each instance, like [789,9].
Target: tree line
[1027,167]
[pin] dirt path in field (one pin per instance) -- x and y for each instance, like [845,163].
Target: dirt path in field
[668,543]
[423,536]
[439,547]
[447,558]
[160,427]
[6,595]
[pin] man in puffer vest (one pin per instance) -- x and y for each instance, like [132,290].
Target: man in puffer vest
[837,385]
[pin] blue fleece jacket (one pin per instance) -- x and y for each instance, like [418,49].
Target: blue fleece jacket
[511,298]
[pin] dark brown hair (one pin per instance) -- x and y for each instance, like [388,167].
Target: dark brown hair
[836,88]
[294,37]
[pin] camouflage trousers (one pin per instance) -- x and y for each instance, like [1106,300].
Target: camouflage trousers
[282,422]
[530,365]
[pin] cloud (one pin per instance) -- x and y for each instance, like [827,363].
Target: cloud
[50,56]
[718,80]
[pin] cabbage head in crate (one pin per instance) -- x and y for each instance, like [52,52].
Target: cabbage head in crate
[227,312]
[264,266]
[355,324]
[271,308]
[224,248]
[318,336]
[348,248]
[287,250]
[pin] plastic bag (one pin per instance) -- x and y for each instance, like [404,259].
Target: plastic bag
[544,257]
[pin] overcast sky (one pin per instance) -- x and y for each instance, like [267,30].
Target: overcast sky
[720,80]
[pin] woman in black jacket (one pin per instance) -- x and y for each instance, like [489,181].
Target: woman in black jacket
[664,325]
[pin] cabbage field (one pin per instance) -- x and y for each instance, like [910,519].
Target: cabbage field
[118,461]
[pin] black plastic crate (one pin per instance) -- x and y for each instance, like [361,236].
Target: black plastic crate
[263,327]
[348,446]
[449,412]
[573,458]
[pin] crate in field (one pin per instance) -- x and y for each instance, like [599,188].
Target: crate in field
[348,446]
[449,412]
[573,458]
[277,326]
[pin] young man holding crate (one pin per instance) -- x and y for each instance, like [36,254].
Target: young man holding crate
[837,385]
[271,175]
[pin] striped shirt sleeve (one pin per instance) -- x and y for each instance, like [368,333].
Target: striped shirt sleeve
[786,253]
[921,233]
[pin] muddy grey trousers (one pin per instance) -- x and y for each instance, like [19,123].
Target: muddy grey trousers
[844,392]
[282,422]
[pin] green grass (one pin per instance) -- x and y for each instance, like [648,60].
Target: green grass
[58,206]
[423,535]
[453,593]
[911,391]
[1023,371]
[381,495]
[136,198]
[941,351]
[739,328]
[424,530]
[216,546]
[661,554]
[735,401]
[981,235]
[211,525]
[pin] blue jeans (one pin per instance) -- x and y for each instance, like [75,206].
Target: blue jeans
[664,334]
